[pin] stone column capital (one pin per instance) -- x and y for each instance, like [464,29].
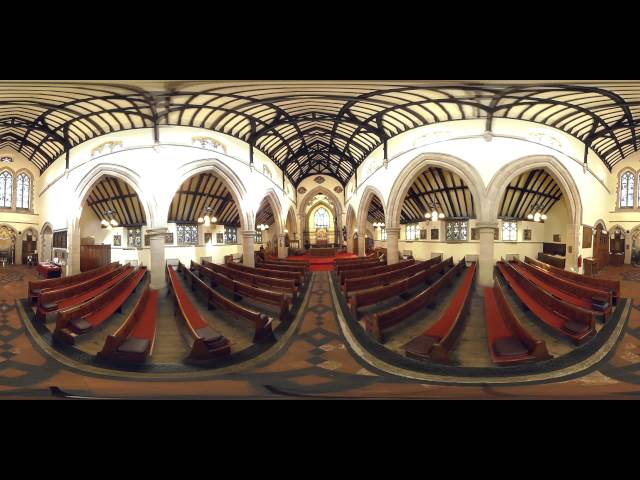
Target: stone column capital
[393,230]
[156,232]
[483,226]
[248,233]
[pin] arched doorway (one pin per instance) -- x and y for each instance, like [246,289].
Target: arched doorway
[372,219]
[267,226]
[291,230]
[29,244]
[46,243]
[601,246]
[351,227]
[8,237]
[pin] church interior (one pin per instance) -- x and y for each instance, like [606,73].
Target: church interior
[319,239]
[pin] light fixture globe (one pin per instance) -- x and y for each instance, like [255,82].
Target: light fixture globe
[530,216]
[200,220]
[214,220]
[536,217]
[113,222]
[441,215]
[543,217]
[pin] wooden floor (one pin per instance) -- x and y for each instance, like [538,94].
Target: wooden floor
[315,361]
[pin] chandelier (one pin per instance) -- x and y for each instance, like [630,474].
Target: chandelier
[378,224]
[536,214]
[434,215]
[262,227]
[207,219]
[109,223]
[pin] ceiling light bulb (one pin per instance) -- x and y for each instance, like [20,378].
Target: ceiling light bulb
[214,220]
[530,216]
[441,215]
[113,222]
[104,222]
[536,217]
[543,216]
[434,216]
[200,220]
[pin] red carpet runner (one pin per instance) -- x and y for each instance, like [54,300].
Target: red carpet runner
[321,264]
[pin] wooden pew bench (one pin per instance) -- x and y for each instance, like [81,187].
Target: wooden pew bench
[437,342]
[509,342]
[134,340]
[35,287]
[563,318]
[52,300]
[85,317]
[612,286]
[262,323]
[378,322]
[298,278]
[288,287]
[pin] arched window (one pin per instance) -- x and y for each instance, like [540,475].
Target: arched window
[6,189]
[23,191]
[627,184]
[321,218]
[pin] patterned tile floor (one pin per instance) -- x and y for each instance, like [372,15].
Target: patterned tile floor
[316,362]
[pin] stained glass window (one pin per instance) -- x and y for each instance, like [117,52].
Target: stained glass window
[6,189]
[134,237]
[457,231]
[230,235]
[23,191]
[321,218]
[413,232]
[187,234]
[258,236]
[510,231]
[627,183]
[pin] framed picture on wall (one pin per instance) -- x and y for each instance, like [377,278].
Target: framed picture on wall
[475,234]
[117,241]
[527,235]
[587,235]
[423,234]
[219,237]
[556,237]
[207,238]
[435,234]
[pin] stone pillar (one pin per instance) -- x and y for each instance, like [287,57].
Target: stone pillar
[248,249]
[485,259]
[393,251]
[571,261]
[282,249]
[362,245]
[73,247]
[350,244]
[158,264]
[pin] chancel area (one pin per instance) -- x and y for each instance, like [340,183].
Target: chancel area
[319,239]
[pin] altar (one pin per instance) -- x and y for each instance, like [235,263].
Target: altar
[320,251]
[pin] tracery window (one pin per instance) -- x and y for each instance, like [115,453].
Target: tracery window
[23,191]
[187,234]
[383,233]
[258,236]
[6,189]
[627,184]
[134,237]
[230,235]
[321,218]
[457,230]
[412,232]
[510,231]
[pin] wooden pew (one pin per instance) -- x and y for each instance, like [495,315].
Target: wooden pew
[134,340]
[240,289]
[281,261]
[301,269]
[299,279]
[262,323]
[345,266]
[583,296]
[51,300]
[574,323]
[288,287]
[36,286]
[88,315]
[378,322]
[437,342]
[366,271]
[612,286]
[557,262]
[509,342]
[370,296]
[208,343]
[361,283]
